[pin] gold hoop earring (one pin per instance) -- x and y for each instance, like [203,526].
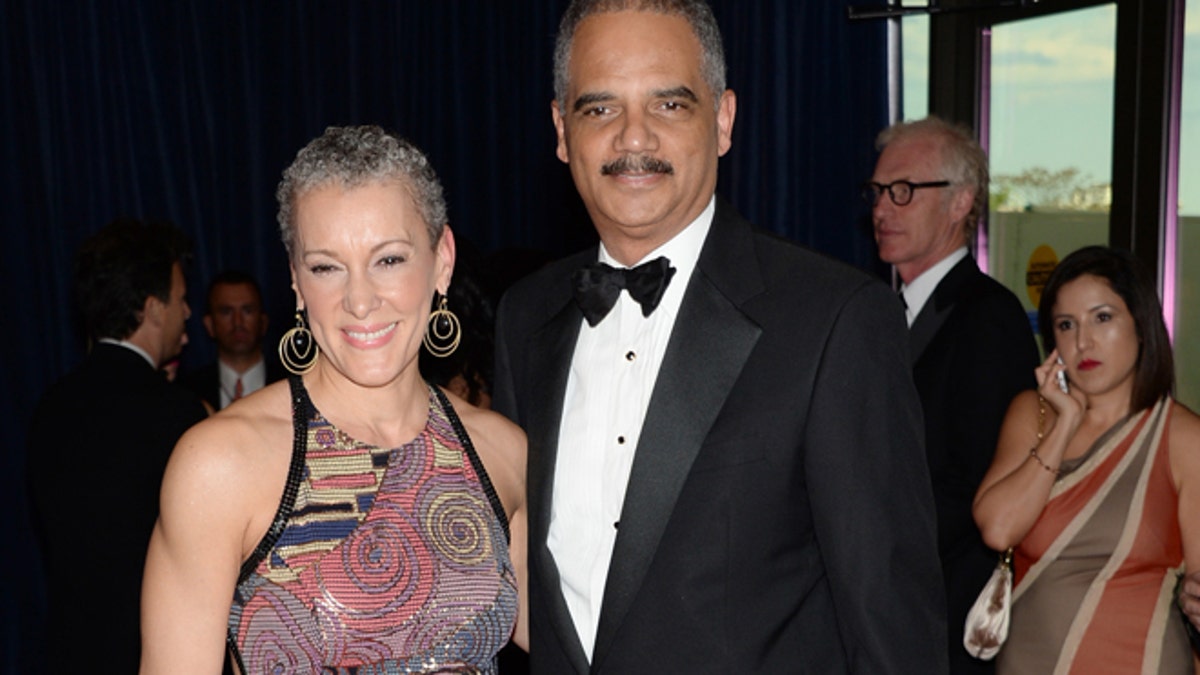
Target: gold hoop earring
[443,333]
[297,349]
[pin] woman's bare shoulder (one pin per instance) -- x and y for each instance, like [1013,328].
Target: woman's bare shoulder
[234,451]
[501,446]
[1185,427]
[1026,408]
[487,427]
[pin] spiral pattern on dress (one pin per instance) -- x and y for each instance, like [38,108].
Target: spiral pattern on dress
[474,641]
[455,521]
[406,466]
[275,635]
[380,571]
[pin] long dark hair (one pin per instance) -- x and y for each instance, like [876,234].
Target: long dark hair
[1155,371]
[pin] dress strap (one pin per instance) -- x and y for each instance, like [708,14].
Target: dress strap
[302,412]
[484,481]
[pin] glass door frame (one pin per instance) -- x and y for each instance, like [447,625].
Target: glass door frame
[1146,100]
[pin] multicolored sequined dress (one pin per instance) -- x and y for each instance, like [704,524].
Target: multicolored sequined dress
[378,560]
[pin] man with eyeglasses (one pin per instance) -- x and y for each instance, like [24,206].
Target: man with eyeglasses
[971,342]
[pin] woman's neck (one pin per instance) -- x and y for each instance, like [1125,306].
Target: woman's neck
[386,416]
[1107,408]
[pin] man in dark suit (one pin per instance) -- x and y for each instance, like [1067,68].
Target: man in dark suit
[725,472]
[99,443]
[972,345]
[235,319]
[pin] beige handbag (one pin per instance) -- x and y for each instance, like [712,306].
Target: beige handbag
[986,627]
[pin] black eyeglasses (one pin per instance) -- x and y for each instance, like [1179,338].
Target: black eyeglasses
[900,191]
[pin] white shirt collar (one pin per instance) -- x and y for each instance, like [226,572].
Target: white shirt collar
[252,380]
[129,345]
[917,293]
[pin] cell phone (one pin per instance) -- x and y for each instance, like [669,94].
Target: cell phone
[1062,378]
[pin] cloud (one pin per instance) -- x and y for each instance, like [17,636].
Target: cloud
[1018,58]
[1074,47]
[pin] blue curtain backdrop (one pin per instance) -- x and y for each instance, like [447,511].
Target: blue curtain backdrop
[189,110]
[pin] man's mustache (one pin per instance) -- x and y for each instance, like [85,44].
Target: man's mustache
[637,164]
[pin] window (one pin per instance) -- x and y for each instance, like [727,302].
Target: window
[1050,117]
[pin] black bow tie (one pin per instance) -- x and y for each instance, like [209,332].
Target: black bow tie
[598,285]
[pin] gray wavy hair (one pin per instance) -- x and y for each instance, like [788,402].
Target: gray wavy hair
[697,13]
[355,156]
[962,158]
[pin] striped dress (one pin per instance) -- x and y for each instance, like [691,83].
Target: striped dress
[1095,578]
[378,560]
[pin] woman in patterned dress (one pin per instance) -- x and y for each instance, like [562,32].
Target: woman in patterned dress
[356,518]
[1096,483]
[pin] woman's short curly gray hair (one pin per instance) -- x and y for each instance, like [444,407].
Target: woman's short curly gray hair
[354,156]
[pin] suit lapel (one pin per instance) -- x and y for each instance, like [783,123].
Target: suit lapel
[709,345]
[551,347]
[940,305]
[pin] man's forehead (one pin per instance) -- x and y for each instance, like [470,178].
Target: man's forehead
[649,39]
[233,293]
[910,153]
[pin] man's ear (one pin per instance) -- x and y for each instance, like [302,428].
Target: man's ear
[560,131]
[961,204]
[208,324]
[152,311]
[726,112]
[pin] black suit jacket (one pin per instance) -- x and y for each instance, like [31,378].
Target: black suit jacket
[973,351]
[778,516]
[98,445]
[205,381]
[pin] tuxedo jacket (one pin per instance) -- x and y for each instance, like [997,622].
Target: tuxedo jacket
[973,351]
[98,445]
[778,515]
[205,381]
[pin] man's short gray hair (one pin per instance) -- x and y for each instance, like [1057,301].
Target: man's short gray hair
[355,156]
[962,158]
[697,13]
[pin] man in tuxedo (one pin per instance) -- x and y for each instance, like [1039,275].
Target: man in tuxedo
[972,345]
[725,465]
[234,318]
[99,443]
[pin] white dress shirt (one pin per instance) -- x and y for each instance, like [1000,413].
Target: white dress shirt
[921,289]
[252,380]
[612,376]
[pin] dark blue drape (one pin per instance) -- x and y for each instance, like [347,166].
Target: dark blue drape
[189,110]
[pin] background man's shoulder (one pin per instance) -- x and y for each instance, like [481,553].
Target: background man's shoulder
[798,268]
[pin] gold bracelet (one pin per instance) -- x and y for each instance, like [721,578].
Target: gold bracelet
[1034,455]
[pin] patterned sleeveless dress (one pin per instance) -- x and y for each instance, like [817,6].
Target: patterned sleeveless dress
[378,561]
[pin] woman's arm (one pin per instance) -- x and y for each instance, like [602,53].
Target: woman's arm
[1185,468]
[519,549]
[1016,487]
[194,556]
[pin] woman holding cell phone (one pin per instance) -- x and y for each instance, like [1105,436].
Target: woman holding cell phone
[1095,481]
